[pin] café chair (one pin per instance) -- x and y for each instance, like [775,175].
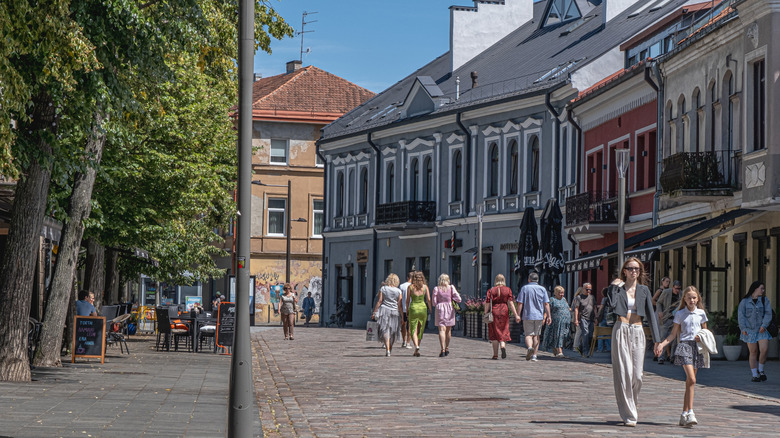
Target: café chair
[116,335]
[165,331]
[207,329]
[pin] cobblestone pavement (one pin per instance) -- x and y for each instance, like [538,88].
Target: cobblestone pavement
[331,382]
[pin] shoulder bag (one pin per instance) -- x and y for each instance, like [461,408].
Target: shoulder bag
[772,327]
[455,305]
[487,317]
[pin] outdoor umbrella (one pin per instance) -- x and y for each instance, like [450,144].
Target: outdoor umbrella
[551,250]
[527,247]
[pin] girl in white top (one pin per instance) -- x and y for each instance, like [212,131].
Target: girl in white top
[689,319]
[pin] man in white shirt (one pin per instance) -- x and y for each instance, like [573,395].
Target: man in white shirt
[406,336]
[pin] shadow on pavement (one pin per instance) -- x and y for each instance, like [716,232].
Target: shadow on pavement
[763,409]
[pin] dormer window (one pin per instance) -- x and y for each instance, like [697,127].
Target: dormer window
[560,11]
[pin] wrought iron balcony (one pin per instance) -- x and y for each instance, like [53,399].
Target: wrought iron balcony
[405,212]
[593,208]
[700,174]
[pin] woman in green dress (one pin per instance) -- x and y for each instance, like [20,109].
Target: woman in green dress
[418,301]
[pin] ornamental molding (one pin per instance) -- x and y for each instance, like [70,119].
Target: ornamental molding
[755,175]
[416,142]
[455,138]
[752,33]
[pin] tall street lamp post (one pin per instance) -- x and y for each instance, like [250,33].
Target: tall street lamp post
[621,160]
[241,389]
[288,216]
[480,214]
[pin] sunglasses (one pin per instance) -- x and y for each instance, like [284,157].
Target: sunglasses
[632,269]
[588,289]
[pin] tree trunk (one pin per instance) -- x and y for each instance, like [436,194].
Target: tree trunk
[19,260]
[94,271]
[112,277]
[57,310]
[67,334]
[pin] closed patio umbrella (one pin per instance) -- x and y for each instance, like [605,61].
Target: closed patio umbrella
[551,250]
[528,247]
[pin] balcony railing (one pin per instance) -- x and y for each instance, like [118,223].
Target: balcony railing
[713,171]
[593,208]
[405,212]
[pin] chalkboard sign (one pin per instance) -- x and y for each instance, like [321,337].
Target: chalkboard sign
[226,324]
[89,337]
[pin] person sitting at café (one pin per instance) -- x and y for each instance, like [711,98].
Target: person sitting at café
[85,306]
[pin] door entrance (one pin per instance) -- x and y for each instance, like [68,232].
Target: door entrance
[713,287]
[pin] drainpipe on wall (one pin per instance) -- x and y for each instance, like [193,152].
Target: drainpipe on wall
[577,170]
[659,138]
[377,179]
[325,219]
[467,165]
[556,146]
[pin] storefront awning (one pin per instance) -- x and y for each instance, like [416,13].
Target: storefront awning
[652,250]
[593,260]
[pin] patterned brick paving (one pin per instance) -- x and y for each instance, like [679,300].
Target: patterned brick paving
[331,382]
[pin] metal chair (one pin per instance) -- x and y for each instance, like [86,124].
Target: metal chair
[165,331]
[116,329]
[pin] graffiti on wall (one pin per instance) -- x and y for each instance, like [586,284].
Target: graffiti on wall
[305,277]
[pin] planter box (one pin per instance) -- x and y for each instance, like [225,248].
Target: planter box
[732,352]
[773,352]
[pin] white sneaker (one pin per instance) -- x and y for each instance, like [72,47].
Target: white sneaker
[409,346]
[403,345]
[533,358]
[691,419]
[529,354]
[388,353]
[559,355]
[683,419]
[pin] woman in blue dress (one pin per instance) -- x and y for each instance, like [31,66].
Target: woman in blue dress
[555,334]
[755,314]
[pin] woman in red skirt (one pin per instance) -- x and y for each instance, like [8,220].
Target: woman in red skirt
[500,296]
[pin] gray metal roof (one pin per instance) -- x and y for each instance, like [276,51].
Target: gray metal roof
[526,61]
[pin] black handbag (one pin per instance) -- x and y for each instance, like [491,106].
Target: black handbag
[772,327]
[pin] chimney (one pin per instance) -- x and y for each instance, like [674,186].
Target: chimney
[474,77]
[474,29]
[256,77]
[293,65]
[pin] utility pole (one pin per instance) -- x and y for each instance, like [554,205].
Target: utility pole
[241,401]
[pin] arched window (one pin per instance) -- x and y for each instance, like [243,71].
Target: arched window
[390,185]
[514,162]
[728,81]
[457,176]
[428,180]
[349,195]
[340,194]
[364,191]
[681,112]
[713,94]
[534,170]
[696,140]
[414,183]
[493,171]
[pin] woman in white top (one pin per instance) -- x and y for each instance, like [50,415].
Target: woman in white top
[387,313]
[689,320]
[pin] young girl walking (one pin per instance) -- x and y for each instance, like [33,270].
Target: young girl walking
[689,320]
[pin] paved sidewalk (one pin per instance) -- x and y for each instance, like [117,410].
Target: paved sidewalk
[145,393]
[331,382]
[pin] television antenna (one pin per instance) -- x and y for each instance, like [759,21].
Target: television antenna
[303,31]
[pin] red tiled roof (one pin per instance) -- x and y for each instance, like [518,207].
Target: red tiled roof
[307,90]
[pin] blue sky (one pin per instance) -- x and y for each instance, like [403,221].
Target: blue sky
[372,43]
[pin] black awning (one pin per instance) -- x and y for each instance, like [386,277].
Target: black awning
[593,260]
[652,250]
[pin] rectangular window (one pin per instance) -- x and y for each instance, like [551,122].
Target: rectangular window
[425,267]
[279,151]
[318,161]
[362,273]
[389,269]
[318,213]
[759,105]
[455,272]
[277,208]
[410,264]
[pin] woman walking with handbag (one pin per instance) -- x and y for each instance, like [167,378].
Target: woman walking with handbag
[443,296]
[387,313]
[755,316]
[418,301]
[500,299]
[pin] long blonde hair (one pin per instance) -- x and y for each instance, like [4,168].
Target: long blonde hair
[500,280]
[699,302]
[444,280]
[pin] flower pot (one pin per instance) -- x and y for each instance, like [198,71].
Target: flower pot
[719,344]
[732,352]
[773,351]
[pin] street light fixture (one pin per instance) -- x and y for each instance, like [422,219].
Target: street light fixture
[287,214]
[621,161]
